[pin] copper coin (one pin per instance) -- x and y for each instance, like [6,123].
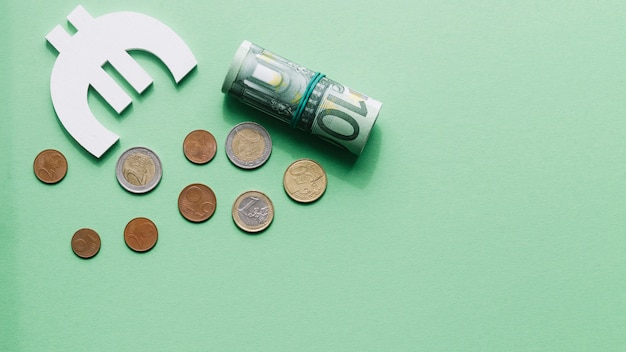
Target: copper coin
[305,181]
[253,211]
[141,234]
[199,146]
[197,202]
[86,243]
[50,166]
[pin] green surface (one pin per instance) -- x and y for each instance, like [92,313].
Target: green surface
[487,212]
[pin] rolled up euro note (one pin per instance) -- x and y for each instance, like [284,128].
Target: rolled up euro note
[305,99]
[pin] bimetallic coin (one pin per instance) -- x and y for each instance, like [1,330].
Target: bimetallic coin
[197,202]
[138,170]
[50,166]
[199,146]
[141,234]
[305,181]
[86,243]
[248,145]
[253,211]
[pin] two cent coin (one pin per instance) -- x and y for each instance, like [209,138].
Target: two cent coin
[248,145]
[199,146]
[50,166]
[197,202]
[141,234]
[86,243]
[138,170]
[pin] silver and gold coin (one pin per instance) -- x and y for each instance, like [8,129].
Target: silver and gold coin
[253,211]
[305,181]
[248,145]
[138,170]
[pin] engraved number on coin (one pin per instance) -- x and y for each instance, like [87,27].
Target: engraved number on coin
[90,242]
[251,212]
[193,199]
[303,175]
[139,169]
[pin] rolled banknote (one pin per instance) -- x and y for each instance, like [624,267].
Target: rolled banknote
[305,99]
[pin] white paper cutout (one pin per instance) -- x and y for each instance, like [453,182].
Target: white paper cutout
[82,56]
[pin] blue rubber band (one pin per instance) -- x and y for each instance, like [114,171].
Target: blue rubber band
[305,98]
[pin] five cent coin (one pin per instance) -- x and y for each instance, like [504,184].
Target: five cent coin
[305,181]
[197,202]
[138,170]
[248,145]
[253,211]
[141,234]
[199,146]
[86,243]
[50,166]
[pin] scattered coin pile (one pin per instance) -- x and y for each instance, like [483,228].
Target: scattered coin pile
[139,170]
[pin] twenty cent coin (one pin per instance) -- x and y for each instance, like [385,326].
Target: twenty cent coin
[248,145]
[253,211]
[141,234]
[199,146]
[50,166]
[86,243]
[305,181]
[138,170]
[197,202]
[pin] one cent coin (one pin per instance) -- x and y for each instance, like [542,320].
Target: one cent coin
[197,202]
[50,166]
[248,145]
[305,181]
[86,243]
[141,234]
[253,211]
[199,146]
[138,170]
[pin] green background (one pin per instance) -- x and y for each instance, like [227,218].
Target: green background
[486,213]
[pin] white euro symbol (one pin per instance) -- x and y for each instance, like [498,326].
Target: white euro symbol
[83,55]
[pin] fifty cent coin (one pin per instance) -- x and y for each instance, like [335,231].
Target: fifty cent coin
[199,146]
[50,166]
[248,145]
[138,170]
[253,211]
[86,243]
[305,181]
[141,234]
[197,202]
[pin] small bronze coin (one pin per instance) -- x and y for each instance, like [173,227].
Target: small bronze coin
[253,211]
[50,166]
[305,181]
[199,146]
[141,234]
[86,243]
[197,202]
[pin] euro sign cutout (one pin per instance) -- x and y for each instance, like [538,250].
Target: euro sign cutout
[81,60]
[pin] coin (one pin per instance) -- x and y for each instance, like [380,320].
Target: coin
[253,211]
[199,146]
[50,166]
[305,181]
[197,202]
[86,243]
[248,145]
[140,234]
[138,170]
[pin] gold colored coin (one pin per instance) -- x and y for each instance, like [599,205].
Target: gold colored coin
[50,166]
[253,211]
[305,181]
